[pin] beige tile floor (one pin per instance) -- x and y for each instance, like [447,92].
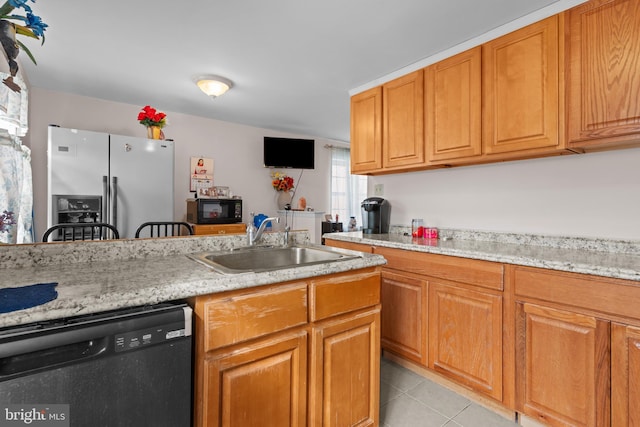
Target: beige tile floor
[410,400]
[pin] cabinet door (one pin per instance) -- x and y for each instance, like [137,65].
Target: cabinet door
[603,52]
[453,107]
[260,384]
[344,368]
[465,337]
[562,367]
[521,89]
[366,131]
[404,316]
[625,375]
[403,115]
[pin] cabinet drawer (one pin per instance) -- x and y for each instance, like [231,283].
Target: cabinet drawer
[204,229]
[613,296]
[470,271]
[233,319]
[348,245]
[343,293]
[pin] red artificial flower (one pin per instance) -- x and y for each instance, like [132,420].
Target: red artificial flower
[149,116]
[281,182]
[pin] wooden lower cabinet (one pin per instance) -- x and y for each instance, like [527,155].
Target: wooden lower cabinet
[563,365]
[301,353]
[561,348]
[344,371]
[204,229]
[258,384]
[465,336]
[577,349]
[404,318]
[348,245]
[625,375]
[446,314]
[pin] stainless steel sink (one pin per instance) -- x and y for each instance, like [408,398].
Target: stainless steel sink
[260,259]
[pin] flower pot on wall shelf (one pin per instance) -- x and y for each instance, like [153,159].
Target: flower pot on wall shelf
[154,132]
[284,199]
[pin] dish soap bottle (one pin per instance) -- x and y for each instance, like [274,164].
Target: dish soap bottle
[251,229]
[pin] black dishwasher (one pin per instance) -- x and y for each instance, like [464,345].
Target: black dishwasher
[129,367]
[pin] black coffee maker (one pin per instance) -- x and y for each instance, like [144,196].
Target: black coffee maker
[376,213]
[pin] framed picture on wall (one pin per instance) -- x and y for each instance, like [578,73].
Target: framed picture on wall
[201,171]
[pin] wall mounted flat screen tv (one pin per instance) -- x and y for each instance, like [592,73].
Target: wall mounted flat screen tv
[289,153]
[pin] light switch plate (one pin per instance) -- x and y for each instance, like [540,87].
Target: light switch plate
[378,190]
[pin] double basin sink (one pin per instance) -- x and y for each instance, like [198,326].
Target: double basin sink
[268,258]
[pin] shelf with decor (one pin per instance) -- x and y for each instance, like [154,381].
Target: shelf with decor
[304,220]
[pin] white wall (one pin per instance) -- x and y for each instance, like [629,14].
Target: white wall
[236,150]
[585,195]
[589,195]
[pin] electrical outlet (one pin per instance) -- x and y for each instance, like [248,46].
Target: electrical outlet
[378,190]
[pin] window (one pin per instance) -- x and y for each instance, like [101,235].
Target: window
[347,191]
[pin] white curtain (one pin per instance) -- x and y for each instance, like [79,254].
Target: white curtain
[347,191]
[13,107]
[16,186]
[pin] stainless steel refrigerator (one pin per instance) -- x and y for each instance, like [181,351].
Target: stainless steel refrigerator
[99,177]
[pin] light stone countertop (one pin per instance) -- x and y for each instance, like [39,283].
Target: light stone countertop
[105,275]
[615,259]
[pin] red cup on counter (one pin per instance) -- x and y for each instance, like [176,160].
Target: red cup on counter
[431,233]
[417,228]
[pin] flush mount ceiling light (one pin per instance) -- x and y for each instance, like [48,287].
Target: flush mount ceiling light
[213,86]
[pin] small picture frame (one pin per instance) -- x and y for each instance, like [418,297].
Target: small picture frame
[201,174]
[328,218]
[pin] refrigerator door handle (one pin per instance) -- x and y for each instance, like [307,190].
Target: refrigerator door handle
[105,199]
[114,201]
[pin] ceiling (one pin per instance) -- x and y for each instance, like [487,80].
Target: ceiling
[292,62]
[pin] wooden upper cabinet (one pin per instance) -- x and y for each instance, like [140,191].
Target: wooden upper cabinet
[403,115]
[521,92]
[603,74]
[366,131]
[204,229]
[453,107]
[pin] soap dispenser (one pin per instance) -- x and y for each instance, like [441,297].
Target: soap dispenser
[251,229]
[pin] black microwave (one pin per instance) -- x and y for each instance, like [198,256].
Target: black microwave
[214,211]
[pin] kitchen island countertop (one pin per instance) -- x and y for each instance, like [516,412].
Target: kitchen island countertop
[102,277]
[574,255]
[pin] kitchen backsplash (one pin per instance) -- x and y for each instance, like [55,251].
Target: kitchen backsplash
[579,243]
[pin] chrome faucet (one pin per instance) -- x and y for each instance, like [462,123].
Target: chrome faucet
[286,235]
[254,238]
